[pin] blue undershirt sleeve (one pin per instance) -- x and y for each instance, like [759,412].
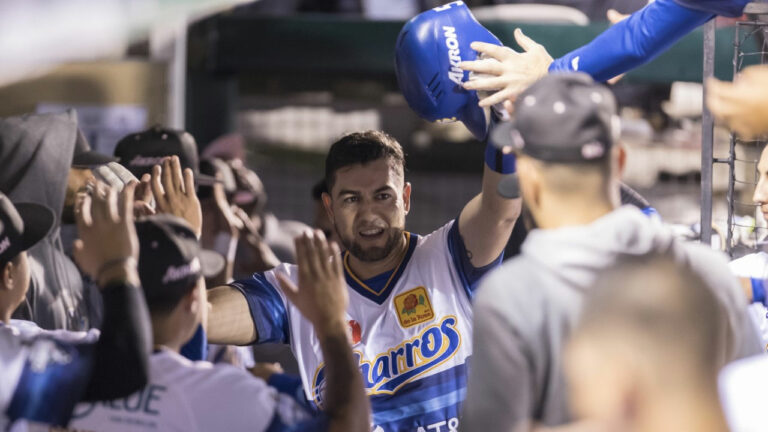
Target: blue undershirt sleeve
[470,275]
[634,41]
[268,311]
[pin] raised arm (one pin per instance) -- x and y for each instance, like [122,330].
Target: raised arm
[107,249]
[321,296]
[487,220]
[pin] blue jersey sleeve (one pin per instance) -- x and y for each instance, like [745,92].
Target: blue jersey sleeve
[469,274]
[634,41]
[726,8]
[267,309]
[52,381]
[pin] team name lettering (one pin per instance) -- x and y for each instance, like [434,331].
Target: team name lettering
[5,244]
[389,371]
[455,74]
[140,160]
[140,402]
[172,274]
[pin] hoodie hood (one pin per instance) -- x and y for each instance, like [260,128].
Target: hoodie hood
[37,150]
[578,253]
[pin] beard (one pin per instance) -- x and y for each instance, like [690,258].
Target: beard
[373,253]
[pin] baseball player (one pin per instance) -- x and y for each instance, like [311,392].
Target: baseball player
[200,396]
[564,132]
[631,42]
[44,373]
[409,316]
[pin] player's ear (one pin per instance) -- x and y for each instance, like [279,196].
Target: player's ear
[621,160]
[407,197]
[6,273]
[326,197]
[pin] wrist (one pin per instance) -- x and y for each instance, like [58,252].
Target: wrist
[331,328]
[499,160]
[118,274]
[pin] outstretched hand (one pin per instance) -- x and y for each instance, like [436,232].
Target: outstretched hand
[174,193]
[107,245]
[509,72]
[321,295]
[741,105]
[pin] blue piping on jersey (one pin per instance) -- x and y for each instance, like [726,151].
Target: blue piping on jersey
[468,274]
[420,408]
[266,307]
[378,288]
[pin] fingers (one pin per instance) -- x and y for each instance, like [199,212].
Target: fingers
[83,213]
[157,188]
[289,288]
[111,205]
[525,42]
[484,66]
[126,201]
[167,179]
[177,178]
[509,106]
[77,251]
[321,251]
[189,182]
[494,83]
[498,97]
[615,16]
[498,52]
[336,259]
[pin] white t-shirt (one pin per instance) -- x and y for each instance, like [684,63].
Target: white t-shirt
[411,330]
[754,266]
[743,385]
[196,396]
[42,374]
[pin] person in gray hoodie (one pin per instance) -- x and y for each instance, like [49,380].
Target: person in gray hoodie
[36,156]
[564,131]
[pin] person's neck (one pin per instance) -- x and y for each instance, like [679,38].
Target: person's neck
[368,269]
[564,214]
[168,334]
[696,410]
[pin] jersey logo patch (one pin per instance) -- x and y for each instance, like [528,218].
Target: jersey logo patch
[413,307]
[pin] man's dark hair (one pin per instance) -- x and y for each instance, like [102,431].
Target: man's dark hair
[362,148]
[319,189]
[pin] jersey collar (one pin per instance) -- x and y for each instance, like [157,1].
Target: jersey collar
[378,288]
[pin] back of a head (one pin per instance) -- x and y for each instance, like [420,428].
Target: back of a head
[664,311]
[362,148]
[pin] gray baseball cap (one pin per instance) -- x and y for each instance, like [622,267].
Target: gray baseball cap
[563,117]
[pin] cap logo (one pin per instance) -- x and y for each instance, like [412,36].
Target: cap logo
[140,160]
[173,274]
[455,74]
[5,244]
[592,150]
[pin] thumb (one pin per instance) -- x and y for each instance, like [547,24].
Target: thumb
[526,43]
[77,252]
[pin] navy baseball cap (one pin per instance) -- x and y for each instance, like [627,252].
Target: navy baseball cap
[141,151]
[171,259]
[563,117]
[22,225]
[427,53]
[85,157]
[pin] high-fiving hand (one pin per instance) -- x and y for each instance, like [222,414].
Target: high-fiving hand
[321,295]
[174,193]
[107,246]
[510,72]
[741,105]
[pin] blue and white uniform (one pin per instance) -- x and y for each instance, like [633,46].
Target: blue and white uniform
[42,374]
[183,395]
[410,328]
[643,35]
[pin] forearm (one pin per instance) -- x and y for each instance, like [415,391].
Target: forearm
[487,221]
[347,405]
[229,320]
[121,357]
[633,41]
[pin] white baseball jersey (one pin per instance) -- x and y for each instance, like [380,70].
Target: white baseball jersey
[42,374]
[410,327]
[754,266]
[197,396]
[742,393]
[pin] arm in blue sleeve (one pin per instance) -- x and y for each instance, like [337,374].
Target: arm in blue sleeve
[634,41]
[268,311]
[470,275]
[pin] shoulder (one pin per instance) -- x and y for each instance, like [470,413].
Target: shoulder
[511,292]
[437,239]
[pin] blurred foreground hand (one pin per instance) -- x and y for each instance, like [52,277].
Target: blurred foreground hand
[741,105]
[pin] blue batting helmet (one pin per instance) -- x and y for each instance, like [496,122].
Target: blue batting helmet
[428,51]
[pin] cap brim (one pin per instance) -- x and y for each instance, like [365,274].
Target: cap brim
[211,263]
[38,221]
[92,158]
